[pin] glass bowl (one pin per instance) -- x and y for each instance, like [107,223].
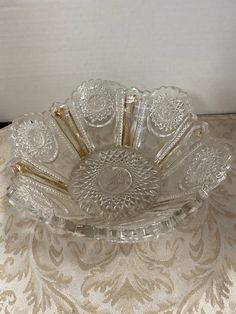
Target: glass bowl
[115,163]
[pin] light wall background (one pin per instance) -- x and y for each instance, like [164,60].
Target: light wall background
[47,47]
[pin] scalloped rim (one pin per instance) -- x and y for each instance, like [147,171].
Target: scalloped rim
[150,230]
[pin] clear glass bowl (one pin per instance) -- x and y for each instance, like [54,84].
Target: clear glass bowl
[115,163]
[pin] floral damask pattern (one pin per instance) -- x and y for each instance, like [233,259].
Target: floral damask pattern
[191,270]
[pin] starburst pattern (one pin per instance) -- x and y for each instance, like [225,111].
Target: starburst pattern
[207,168]
[96,102]
[34,139]
[168,109]
[119,182]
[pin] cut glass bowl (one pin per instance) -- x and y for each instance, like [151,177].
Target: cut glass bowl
[115,163]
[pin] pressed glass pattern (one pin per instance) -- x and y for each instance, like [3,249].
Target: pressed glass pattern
[115,163]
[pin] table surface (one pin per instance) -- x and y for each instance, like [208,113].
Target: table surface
[191,270]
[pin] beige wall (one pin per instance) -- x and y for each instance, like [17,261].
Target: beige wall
[49,47]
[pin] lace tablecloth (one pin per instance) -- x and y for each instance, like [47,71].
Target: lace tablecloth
[191,270]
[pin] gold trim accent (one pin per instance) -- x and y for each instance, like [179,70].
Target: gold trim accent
[28,170]
[129,107]
[66,123]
